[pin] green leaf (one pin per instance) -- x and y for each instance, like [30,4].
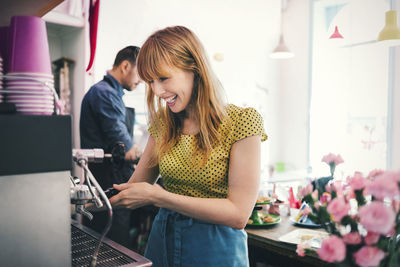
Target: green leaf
[323,214]
[394,259]
[314,218]
[346,220]
[310,252]
[256,217]
[383,243]
[397,228]
[360,198]
[308,199]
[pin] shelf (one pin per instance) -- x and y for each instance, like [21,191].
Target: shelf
[64,19]
[39,8]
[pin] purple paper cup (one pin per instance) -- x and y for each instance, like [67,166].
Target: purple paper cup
[27,97]
[28,45]
[33,100]
[33,106]
[42,89]
[10,80]
[32,74]
[27,84]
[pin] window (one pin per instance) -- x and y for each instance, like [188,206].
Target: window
[349,85]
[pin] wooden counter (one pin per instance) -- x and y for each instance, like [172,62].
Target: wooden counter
[265,247]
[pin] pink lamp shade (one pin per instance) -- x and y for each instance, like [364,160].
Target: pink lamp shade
[336,34]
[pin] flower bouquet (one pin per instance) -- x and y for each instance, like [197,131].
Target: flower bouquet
[362,215]
[317,189]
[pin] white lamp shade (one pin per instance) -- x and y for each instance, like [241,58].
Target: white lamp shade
[281,50]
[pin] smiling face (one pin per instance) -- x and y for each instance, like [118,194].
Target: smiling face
[175,88]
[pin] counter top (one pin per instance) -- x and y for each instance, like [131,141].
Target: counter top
[264,246]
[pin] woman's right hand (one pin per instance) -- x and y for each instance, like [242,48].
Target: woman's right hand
[135,195]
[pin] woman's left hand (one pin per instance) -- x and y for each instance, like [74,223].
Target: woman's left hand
[134,195]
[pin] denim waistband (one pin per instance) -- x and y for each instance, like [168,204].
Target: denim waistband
[171,229]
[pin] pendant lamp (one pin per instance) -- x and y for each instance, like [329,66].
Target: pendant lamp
[281,51]
[391,31]
[336,34]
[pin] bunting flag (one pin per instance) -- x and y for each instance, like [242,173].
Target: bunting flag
[93,22]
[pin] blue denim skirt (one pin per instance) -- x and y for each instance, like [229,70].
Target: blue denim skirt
[179,241]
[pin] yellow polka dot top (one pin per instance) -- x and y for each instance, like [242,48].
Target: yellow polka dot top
[210,180]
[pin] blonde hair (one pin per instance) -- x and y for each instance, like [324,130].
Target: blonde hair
[180,48]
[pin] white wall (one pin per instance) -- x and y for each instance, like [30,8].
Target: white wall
[293,96]
[395,134]
[243,31]
[294,86]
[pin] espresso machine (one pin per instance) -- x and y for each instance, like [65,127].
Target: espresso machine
[36,194]
[35,166]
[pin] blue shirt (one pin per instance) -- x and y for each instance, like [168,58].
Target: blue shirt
[102,121]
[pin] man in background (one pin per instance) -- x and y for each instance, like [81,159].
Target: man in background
[105,122]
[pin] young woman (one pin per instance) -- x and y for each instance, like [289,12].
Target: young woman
[208,155]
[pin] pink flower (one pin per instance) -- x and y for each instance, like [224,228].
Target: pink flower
[325,198]
[376,217]
[337,159]
[301,249]
[333,249]
[338,208]
[374,173]
[357,182]
[392,230]
[396,176]
[371,238]
[316,205]
[306,211]
[368,256]
[328,188]
[306,190]
[336,186]
[349,193]
[352,238]
[315,194]
[384,185]
[396,205]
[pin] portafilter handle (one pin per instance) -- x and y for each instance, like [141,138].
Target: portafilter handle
[117,155]
[95,155]
[80,195]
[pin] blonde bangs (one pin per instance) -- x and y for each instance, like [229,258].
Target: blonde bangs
[152,57]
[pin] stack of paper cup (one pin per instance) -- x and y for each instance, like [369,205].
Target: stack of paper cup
[29,77]
[30,92]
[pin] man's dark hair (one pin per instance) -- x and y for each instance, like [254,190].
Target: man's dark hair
[129,53]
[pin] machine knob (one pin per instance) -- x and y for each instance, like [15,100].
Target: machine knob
[80,194]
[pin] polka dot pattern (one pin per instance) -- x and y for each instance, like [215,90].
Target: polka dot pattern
[210,180]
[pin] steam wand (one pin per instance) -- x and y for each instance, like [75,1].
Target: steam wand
[82,161]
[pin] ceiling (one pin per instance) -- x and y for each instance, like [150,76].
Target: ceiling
[9,8]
